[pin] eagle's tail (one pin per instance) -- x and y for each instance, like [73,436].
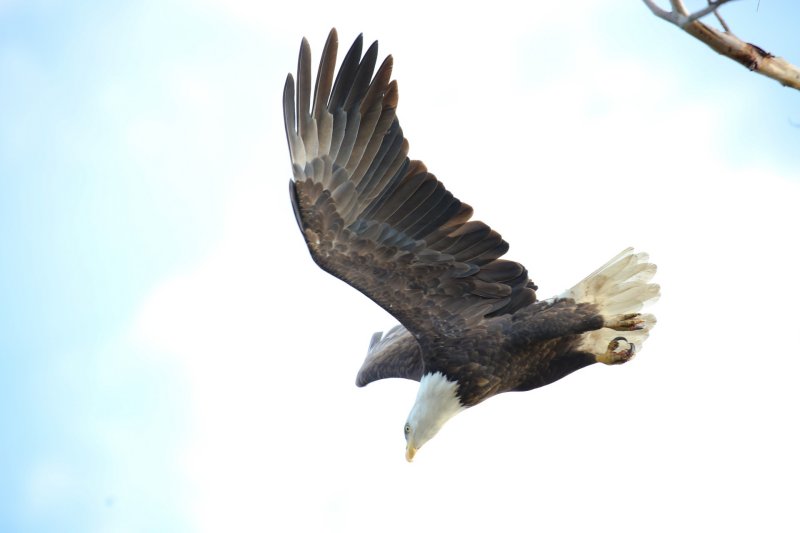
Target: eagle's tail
[620,289]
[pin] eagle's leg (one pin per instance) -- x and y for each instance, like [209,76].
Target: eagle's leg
[619,351]
[627,322]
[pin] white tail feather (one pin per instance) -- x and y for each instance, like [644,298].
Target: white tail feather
[619,287]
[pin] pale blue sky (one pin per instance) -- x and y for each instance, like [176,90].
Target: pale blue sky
[148,252]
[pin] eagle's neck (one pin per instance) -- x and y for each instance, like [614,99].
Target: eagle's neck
[437,402]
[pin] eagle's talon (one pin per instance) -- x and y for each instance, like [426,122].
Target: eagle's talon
[627,322]
[619,351]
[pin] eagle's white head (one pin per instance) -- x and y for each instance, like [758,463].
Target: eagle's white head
[437,402]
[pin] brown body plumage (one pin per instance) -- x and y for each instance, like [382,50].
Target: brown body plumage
[532,347]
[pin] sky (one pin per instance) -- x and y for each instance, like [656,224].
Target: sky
[172,360]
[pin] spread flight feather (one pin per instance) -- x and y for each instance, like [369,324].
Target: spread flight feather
[379,220]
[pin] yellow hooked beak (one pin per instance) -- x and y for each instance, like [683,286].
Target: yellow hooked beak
[410,452]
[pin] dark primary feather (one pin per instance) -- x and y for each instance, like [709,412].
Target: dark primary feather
[380,221]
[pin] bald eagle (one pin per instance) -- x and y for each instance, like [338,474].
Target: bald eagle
[471,325]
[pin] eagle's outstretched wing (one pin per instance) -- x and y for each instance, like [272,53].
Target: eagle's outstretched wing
[378,220]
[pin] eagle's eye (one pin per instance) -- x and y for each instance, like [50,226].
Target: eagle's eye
[407,429]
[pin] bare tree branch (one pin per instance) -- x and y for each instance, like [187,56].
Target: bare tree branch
[678,7]
[657,11]
[711,7]
[726,43]
[721,20]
